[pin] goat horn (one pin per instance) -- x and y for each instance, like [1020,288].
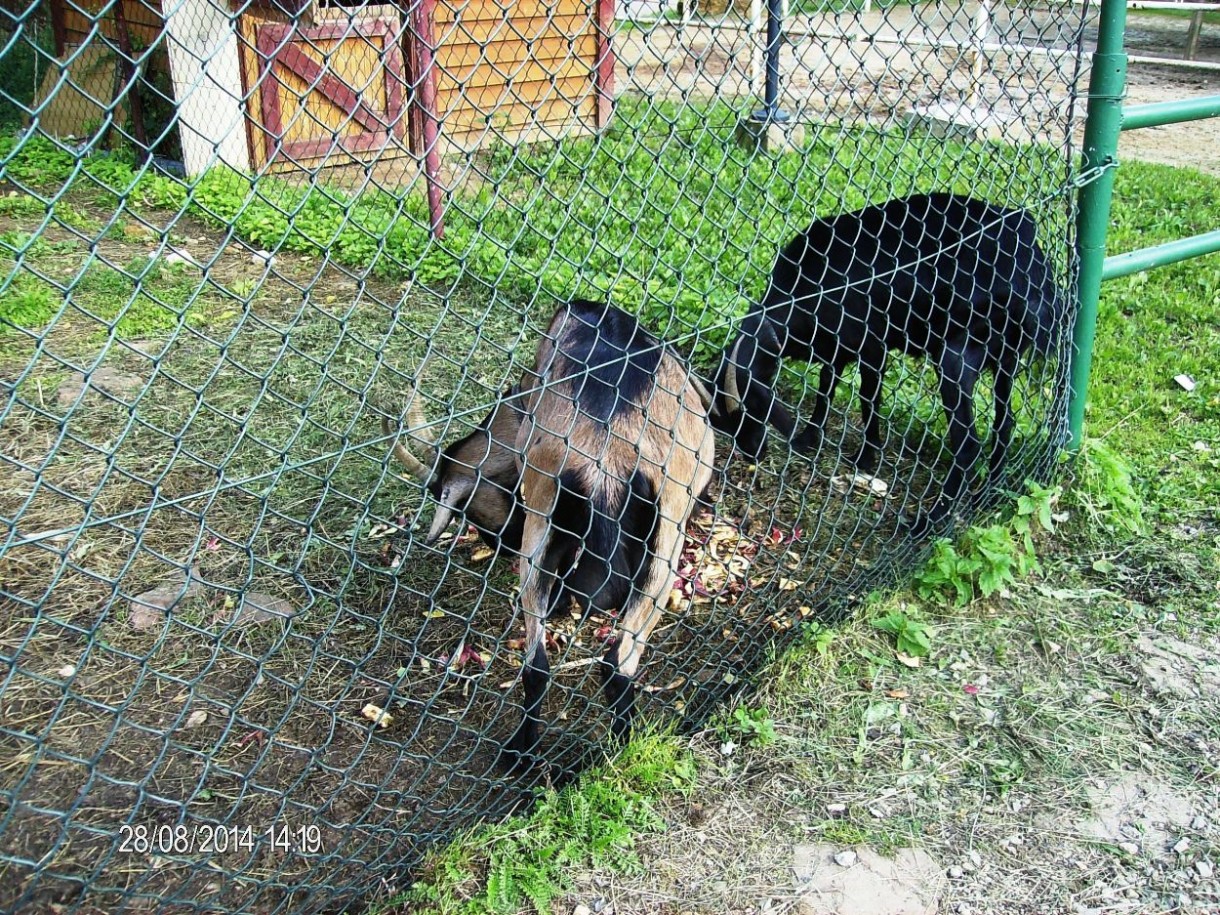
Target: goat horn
[709,404]
[420,469]
[732,394]
[414,465]
[440,521]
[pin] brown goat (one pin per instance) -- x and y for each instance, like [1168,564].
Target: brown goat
[616,448]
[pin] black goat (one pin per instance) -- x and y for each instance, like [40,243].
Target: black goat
[616,447]
[956,280]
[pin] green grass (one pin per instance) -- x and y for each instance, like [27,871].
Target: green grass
[592,823]
[639,214]
[1157,325]
[28,303]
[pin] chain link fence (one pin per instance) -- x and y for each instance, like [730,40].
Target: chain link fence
[249,248]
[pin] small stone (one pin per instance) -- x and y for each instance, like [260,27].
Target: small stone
[1204,868]
[581,909]
[1198,824]
[975,858]
[956,873]
[836,810]
[1129,848]
[1182,846]
[845,858]
[196,718]
[262,258]
[66,671]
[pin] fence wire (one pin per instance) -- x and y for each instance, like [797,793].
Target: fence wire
[259,258]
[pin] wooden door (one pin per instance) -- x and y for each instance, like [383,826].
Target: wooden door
[329,93]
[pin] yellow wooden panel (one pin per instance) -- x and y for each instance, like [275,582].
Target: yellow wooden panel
[474,10]
[487,98]
[354,59]
[515,29]
[535,71]
[474,66]
[556,112]
[306,113]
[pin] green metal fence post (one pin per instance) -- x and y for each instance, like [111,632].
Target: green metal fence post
[1105,113]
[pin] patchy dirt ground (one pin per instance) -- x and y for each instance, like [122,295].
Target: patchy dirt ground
[850,71]
[1195,144]
[1036,767]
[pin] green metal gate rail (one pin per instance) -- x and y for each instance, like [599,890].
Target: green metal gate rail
[1106,120]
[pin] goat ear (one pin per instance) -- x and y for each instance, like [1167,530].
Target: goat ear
[453,494]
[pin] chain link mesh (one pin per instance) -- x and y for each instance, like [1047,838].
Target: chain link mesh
[238,237]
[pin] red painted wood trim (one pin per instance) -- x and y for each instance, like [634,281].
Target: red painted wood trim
[329,86]
[604,77]
[58,27]
[425,96]
[268,41]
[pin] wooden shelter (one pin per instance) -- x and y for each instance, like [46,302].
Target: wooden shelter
[309,84]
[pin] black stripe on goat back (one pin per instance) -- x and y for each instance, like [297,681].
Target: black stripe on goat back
[612,369]
[613,545]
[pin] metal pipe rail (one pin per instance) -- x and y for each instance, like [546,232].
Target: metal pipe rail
[1160,255]
[1159,114]
[1105,121]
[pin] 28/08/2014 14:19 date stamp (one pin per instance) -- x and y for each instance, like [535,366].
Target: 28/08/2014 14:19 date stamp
[217,839]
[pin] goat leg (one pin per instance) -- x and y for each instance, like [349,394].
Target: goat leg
[640,617]
[811,437]
[958,376]
[620,694]
[1001,434]
[872,370]
[520,750]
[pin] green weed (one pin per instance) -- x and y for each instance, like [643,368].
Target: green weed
[1104,492]
[29,303]
[749,727]
[913,637]
[591,824]
[987,558]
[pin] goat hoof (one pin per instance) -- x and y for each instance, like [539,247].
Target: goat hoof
[867,460]
[923,524]
[520,752]
[515,761]
[807,442]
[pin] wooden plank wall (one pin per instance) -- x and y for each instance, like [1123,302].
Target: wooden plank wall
[515,68]
[85,18]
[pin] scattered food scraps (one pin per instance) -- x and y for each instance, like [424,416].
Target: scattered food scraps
[376,714]
[866,483]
